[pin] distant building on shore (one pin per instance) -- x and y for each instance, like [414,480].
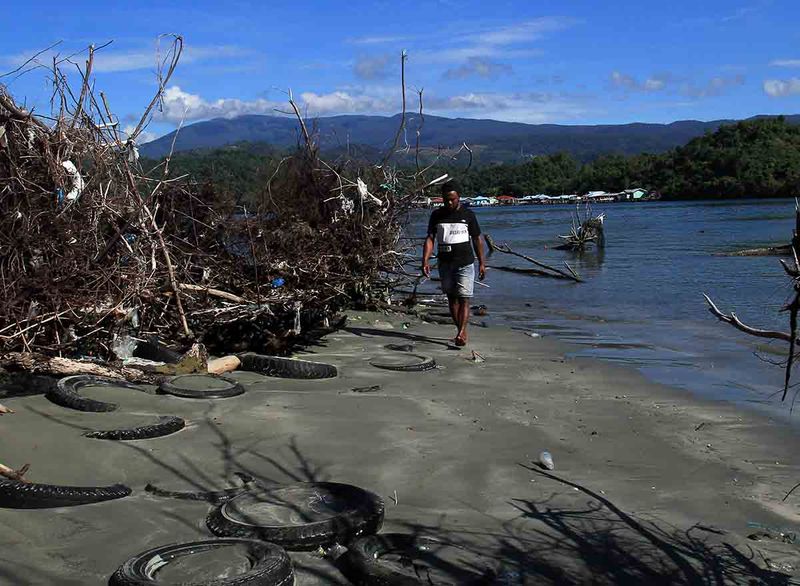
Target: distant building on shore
[633,194]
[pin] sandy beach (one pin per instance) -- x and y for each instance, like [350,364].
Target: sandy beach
[651,485]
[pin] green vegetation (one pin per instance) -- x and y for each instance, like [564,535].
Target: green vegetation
[241,170]
[754,158]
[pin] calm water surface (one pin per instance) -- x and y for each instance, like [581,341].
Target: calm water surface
[642,301]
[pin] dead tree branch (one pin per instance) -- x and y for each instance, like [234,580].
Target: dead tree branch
[557,273]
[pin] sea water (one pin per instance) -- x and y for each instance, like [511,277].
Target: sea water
[641,303]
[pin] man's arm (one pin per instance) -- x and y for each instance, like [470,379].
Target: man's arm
[427,251]
[477,245]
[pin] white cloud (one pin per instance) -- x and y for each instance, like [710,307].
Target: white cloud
[523,32]
[741,13]
[661,83]
[478,66]
[144,136]
[713,87]
[343,102]
[628,82]
[509,42]
[532,107]
[460,54]
[654,85]
[371,67]
[178,105]
[779,88]
[785,63]
[377,40]
[522,107]
[107,60]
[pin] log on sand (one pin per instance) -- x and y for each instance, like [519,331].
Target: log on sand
[224,364]
[36,363]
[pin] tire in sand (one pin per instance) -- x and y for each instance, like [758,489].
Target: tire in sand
[165,426]
[196,562]
[222,388]
[300,516]
[65,392]
[277,366]
[394,559]
[152,349]
[400,347]
[210,496]
[405,363]
[24,495]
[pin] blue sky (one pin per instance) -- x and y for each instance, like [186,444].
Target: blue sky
[566,62]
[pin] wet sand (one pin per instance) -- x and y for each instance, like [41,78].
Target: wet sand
[651,484]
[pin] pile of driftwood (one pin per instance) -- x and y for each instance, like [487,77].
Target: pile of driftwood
[95,249]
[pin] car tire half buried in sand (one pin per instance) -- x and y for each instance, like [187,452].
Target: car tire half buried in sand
[395,559]
[405,363]
[286,367]
[164,426]
[65,392]
[222,389]
[25,495]
[300,516]
[210,496]
[269,565]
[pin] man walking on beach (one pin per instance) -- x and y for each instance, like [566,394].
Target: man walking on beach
[457,234]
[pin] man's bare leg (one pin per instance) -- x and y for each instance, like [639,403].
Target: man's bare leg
[453,303]
[463,320]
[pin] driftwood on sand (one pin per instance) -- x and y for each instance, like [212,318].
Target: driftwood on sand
[224,364]
[12,474]
[37,363]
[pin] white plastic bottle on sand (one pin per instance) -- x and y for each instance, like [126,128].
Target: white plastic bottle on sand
[546,460]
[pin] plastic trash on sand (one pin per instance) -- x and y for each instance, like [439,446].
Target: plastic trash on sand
[123,346]
[546,461]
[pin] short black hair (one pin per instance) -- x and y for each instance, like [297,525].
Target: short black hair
[449,186]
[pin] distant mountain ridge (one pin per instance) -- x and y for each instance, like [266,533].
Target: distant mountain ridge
[491,140]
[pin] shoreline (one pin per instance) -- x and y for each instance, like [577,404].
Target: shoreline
[653,363]
[649,484]
[652,315]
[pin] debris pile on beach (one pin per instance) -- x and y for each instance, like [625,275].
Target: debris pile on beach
[96,250]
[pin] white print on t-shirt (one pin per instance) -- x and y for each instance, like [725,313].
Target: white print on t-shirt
[454,233]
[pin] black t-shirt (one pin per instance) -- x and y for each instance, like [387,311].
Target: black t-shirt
[453,231]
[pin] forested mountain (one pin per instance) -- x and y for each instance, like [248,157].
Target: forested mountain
[490,140]
[754,158]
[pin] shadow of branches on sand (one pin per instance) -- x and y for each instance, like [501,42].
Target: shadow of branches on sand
[595,542]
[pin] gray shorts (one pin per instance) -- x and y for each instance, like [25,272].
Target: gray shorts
[457,281]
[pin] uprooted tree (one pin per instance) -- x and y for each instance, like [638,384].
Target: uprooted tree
[585,230]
